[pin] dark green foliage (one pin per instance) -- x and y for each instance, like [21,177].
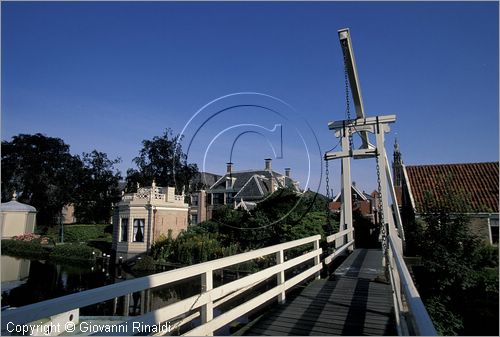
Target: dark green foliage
[283,216]
[458,279]
[104,245]
[68,253]
[45,175]
[98,188]
[162,159]
[146,263]
[42,171]
[192,247]
[78,253]
[26,249]
[81,233]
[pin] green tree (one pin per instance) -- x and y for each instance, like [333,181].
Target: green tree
[98,188]
[42,171]
[162,159]
[456,279]
[283,216]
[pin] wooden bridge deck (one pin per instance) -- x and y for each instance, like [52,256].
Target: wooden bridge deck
[351,302]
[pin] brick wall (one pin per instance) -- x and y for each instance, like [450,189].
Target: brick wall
[176,220]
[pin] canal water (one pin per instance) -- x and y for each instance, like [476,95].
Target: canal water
[30,281]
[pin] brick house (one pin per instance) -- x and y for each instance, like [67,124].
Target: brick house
[246,188]
[363,202]
[198,211]
[140,218]
[239,189]
[478,182]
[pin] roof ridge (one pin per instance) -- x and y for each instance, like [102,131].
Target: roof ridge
[454,164]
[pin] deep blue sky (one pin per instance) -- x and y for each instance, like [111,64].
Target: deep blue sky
[106,76]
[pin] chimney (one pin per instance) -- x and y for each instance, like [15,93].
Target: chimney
[287,172]
[229,168]
[268,164]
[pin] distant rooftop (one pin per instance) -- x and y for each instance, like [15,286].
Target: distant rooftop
[479,181]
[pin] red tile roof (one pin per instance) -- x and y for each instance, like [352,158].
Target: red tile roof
[478,180]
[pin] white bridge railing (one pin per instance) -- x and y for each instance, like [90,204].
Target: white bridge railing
[341,241]
[201,305]
[411,316]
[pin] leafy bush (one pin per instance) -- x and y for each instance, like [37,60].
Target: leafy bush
[191,247]
[82,232]
[27,249]
[163,249]
[74,253]
[101,244]
[195,248]
[458,279]
[146,263]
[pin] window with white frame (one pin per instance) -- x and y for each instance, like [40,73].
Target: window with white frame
[124,230]
[138,230]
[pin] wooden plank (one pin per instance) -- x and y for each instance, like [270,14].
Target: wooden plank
[309,319]
[352,303]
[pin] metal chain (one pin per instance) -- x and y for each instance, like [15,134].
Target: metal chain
[381,214]
[327,173]
[347,100]
[327,208]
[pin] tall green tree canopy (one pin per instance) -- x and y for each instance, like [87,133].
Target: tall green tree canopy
[98,188]
[162,159]
[42,171]
[283,216]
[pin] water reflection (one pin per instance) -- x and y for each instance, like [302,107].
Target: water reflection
[36,281]
[14,272]
[26,282]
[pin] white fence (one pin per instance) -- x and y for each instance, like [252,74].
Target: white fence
[411,316]
[201,305]
[336,238]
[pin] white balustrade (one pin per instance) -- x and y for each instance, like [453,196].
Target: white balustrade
[202,304]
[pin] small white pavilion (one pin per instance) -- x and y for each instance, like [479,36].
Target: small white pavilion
[16,218]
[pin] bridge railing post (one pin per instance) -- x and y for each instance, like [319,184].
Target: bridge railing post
[207,310]
[280,259]
[317,259]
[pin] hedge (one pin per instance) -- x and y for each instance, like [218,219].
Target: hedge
[26,249]
[78,253]
[82,233]
[74,252]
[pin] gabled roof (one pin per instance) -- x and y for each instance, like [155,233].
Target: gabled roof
[354,189]
[242,177]
[479,181]
[252,183]
[205,178]
[254,187]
